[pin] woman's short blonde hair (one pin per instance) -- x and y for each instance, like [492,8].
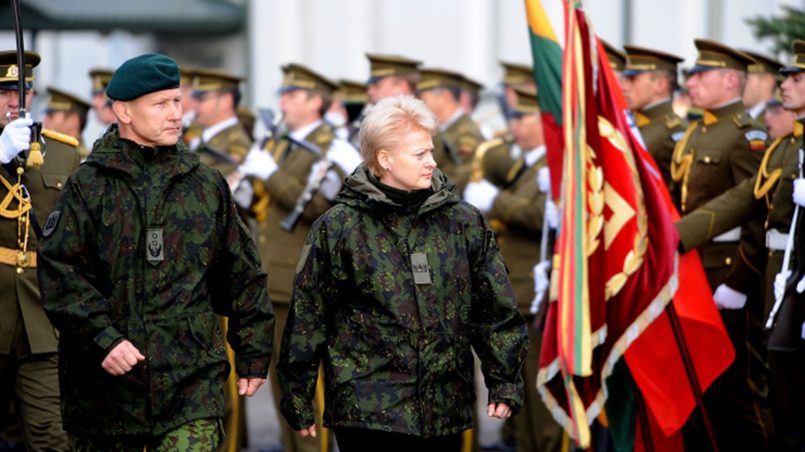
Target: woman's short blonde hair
[388,122]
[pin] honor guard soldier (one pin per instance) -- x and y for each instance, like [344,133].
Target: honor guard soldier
[28,341]
[716,154]
[66,113]
[761,83]
[650,79]
[303,168]
[459,136]
[391,75]
[347,110]
[515,76]
[100,103]
[223,143]
[188,75]
[470,96]
[514,198]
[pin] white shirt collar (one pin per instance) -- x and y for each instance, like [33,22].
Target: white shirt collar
[302,132]
[456,114]
[756,110]
[215,129]
[534,155]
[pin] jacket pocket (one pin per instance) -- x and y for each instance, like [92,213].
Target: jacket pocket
[54,181]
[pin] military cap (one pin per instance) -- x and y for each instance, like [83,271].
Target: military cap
[526,102]
[187,74]
[776,100]
[797,60]
[439,78]
[617,59]
[714,55]
[763,63]
[352,92]
[63,101]
[208,80]
[517,74]
[10,73]
[641,59]
[143,75]
[385,65]
[297,76]
[100,79]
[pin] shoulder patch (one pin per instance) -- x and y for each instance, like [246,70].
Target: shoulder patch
[676,136]
[757,139]
[51,223]
[467,144]
[672,122]
[60,137]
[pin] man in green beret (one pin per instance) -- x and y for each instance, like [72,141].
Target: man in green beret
[28,341]
[142,251]
[716,154]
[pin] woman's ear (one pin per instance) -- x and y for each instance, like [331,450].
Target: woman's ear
[384,159]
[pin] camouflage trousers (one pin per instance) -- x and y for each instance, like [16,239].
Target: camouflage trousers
[201,435]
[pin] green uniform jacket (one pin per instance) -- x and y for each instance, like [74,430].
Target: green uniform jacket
[397,355]
[516,216]
[20,291]
[725,148]
[454,148]
[661,128]
[98,289]
[233,142]
[279,248]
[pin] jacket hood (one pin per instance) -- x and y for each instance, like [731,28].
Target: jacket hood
[360,192]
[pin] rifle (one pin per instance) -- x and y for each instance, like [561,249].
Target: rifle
[313,184]
[35,158]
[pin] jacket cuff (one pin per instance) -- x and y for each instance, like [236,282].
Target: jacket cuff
[108,338]
[253,367]
[297,411]
[509,393]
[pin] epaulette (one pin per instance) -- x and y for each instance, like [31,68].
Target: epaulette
[672,122]
[742,120]
[60,137]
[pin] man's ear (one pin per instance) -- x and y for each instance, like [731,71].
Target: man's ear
[121,111]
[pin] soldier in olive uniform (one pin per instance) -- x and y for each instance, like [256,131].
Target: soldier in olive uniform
[459,136]
[287,168]
[714,155]
[650,81]
[100,103]
[347,109]
[67,114]
[515,76]
[222,143]
[391,75]
[617,60]
[761,84]
[513,195]
[28,341]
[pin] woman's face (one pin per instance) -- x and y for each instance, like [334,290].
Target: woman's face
[410,165]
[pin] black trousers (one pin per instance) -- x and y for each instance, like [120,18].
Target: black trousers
[364,440]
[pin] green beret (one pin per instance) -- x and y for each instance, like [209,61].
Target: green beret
[143,75]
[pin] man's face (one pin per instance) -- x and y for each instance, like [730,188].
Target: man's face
[299,108]
[387,87]
[779,121]
[708,89]
[433,99]
[10,104]
[527,130]
[56,120]
[155,119]
[639,89]
[208,108]
[102,108]
[793,92]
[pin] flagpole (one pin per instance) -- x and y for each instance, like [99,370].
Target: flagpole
[642,418]
[676,326]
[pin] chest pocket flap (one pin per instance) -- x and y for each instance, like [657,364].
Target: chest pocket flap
[55,181]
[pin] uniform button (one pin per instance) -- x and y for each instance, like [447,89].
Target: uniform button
[704,129]
[706,159]
[19,270]
[728,261]
[58,185]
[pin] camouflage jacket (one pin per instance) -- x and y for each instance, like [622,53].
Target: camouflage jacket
[99,287]
[397,347]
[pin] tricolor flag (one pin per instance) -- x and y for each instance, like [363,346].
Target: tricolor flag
[615,262]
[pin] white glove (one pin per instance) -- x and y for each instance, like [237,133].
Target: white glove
[551,214]
[331,184]
[16,137]
[541,284]
[243,194]
[728,298]
[481,194]
[258,163]
[779,283]
[544,179]
[344,155]
[799,192]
